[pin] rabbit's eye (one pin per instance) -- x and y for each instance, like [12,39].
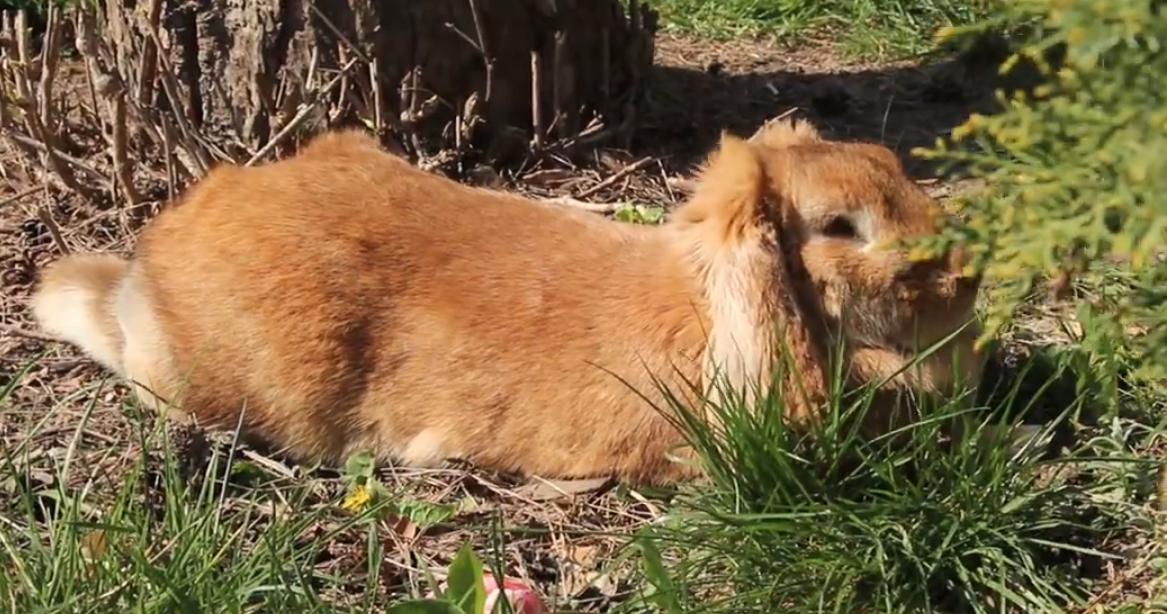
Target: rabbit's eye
[840,228]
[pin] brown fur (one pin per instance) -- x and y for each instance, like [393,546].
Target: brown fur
[345,300]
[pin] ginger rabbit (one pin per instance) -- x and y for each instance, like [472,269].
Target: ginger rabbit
[345,300]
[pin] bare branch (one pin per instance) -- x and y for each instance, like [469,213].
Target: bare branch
[487,58]
[617,176]
[536,106]
[46,218]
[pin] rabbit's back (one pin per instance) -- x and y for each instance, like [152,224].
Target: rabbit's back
[357,303]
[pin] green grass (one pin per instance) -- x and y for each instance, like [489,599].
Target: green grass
[868,28]
[160,543]
[826,522]
[223,537]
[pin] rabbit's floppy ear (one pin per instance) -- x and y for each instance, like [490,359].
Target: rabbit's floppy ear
[731,229]
[729,201]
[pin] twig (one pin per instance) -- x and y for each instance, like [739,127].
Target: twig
[178,107]
[487,58]
[24,332]
[32,118]
[773,120]
[144,91]
[340,53]
[303,114]
[46,218]
[168,156]
[536,107]
[617,176]
[121,165]
[375,83]
[593,135]
[57,155]
[269,463]
[19,195]
[83,40]
[335,30]
[681,184]
[668,188]
[557,85]
[299,118]
[50,48]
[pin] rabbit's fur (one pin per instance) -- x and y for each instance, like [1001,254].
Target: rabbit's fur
[345,300]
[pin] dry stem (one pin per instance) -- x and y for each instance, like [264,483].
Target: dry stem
[536,107]
[487,58]
[37,109]
[46,218]
[617,176]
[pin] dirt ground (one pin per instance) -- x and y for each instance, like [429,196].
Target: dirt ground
[699,89]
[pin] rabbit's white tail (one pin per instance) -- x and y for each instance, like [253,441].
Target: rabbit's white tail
[75,301]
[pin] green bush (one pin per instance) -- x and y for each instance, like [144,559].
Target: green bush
[1076,177]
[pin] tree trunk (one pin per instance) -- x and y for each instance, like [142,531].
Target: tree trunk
[443,75]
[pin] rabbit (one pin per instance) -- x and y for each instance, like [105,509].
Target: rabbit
[344,300]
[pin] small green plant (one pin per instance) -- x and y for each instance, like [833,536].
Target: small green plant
[640,214]
[365,491]
[363,486]
[465,591]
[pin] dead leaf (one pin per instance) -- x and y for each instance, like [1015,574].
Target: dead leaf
[92,548]
[404,527]
[540,489]
[583,555]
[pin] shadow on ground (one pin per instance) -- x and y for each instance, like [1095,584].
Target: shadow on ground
[696,91]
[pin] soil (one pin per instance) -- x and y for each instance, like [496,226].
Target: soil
[698,89]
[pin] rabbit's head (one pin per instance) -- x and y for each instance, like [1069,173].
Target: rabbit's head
[850,205]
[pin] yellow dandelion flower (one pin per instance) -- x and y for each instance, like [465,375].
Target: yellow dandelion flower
[357,498]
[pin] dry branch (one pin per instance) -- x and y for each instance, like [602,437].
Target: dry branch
[617,176]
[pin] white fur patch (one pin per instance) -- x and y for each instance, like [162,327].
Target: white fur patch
[426,449]
[146,355]
[737,352]
[73,313]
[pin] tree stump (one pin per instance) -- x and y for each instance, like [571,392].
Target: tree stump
[450,75]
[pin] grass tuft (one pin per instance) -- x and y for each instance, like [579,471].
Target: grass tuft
[926,520]
[159,538]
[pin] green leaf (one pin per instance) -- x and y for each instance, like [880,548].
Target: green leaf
[425,514]
[652,215]
[465,586]
[360,464]
[665,595]
[626,213]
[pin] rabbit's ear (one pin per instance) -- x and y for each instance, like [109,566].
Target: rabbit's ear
[729,200]
[785,133]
